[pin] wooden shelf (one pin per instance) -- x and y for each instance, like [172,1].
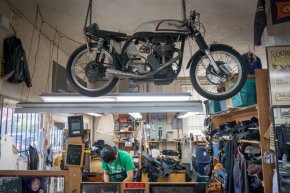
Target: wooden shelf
[125,132]
[259,110]
[235,114]
[163,141]
[252,109]
[53,173]
[249,141]
[175,141]
[122,142]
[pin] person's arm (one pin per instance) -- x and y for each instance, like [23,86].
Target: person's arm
[129,176]
[106,176]
[129,166]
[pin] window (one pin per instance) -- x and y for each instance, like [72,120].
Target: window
[25,130]
[56,136]
[22,127]
[193,124]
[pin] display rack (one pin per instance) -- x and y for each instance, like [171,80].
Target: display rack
[261,110]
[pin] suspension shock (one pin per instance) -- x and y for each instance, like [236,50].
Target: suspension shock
[99,48]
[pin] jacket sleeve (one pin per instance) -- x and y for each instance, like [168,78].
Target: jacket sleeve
[260,22]
[26,72]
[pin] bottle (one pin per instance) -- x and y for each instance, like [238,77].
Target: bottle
[284,161]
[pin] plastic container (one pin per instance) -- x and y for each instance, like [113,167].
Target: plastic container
[201,155]
[247,96]
[212,106]
[215,147]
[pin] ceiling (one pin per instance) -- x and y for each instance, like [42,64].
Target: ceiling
[226,21]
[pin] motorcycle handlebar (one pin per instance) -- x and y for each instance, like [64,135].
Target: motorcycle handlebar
[193,15]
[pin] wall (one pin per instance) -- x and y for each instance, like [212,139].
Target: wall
[40,56]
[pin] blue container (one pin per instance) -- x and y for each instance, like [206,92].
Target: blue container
[201,168]
[201,155]
[212,106]
[223,105]
[247,96]
[215,147]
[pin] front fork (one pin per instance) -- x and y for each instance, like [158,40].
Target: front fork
[99,54]
[204,47]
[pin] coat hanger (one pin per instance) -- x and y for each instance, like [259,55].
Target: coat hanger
[251,55]
[14,32]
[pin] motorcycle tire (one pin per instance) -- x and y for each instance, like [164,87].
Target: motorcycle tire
[92,71]
[228,87]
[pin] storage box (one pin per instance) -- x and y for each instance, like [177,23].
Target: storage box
[202,155]
[212,106]
[247,96]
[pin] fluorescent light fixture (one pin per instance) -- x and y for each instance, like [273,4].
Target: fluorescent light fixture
[94,114]
[152,98]
[136,115]
[68,99]
[109,107]
[119,97]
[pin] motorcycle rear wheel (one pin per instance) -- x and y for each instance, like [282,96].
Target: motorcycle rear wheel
[223,85]
[88,76]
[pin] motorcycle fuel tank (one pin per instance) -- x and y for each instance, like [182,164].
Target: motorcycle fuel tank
[162,26]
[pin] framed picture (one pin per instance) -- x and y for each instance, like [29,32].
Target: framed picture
[11,184]
[100,187]
[278,58]
[75,126]
[178,188]
[134,191]
[35,184]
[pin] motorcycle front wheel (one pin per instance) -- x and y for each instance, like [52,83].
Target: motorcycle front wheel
[218,85]
[86,71]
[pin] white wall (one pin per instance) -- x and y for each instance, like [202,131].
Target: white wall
[39,59]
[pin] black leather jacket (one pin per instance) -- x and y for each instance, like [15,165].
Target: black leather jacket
[15,60]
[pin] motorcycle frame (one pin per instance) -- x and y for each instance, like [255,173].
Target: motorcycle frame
[120,57]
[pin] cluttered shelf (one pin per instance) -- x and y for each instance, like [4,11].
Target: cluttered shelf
[252,109]
[177,141]
[122,142]
[259,111]
[125,132]
[226,138]
[249,141]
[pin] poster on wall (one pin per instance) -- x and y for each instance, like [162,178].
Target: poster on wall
[278,58]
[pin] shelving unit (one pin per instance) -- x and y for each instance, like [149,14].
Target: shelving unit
[262,111]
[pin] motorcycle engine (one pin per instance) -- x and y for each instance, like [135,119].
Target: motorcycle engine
[150,57]
[163,52]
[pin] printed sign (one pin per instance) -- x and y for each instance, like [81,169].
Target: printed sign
[74,154]
[279,73]
[135,185]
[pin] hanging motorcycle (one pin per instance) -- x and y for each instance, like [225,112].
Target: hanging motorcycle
[154,53]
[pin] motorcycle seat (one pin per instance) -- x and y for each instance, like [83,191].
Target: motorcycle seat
[94,32]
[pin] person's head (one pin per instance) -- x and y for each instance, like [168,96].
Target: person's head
[35,184]
[109,154]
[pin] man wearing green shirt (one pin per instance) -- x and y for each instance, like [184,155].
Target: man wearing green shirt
[117,165]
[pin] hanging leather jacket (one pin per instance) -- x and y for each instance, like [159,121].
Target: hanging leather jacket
[15,60]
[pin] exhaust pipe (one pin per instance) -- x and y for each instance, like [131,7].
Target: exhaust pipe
[121,74]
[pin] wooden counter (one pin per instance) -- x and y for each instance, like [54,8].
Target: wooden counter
[179,176]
